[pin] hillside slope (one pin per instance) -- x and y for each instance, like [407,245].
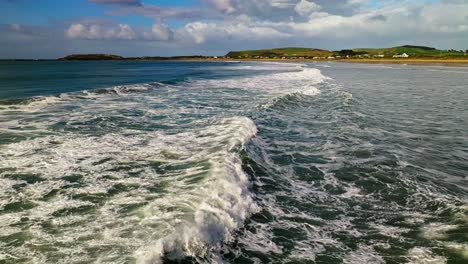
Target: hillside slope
[412,51]
[297,52]
[281,52]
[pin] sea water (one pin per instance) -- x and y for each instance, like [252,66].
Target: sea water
[233,162]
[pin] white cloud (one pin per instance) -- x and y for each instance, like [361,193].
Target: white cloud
[224,6]
[197,31]
[306,8]
[96,31]
[201,32]
[393,22]
[222,25]
[159,32]
[449,18]
[276,10]
[281,3]
[357,2]
[392,25]
[76,31]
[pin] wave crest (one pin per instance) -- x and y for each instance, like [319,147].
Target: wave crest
[160,195]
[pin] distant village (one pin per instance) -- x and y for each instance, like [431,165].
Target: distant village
[295,57]
[401,52]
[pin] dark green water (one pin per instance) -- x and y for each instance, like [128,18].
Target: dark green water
[149,162]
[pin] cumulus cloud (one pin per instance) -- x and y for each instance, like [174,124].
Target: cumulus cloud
[225,6]
[277,10]
[393,23]
[159,32]
[118,2]
[220,25]
[158,12]
[202,32]
[306,8]
[242,22]
[106,31]
[96,31]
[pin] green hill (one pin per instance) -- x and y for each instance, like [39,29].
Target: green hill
[281,52]
[412,51]
[297,52]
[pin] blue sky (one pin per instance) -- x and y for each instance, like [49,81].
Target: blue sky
[24,12]
[51,28]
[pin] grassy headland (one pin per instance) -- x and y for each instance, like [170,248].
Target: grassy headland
[414,52]
[401,52]
[280,52]
[407,54]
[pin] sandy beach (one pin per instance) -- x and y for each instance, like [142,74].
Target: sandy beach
[442,62]
[439,62]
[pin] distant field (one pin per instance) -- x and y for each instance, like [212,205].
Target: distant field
[290,52]
[412,51]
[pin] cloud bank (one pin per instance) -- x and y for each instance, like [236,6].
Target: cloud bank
[217,26]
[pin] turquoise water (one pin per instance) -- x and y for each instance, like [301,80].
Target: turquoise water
[227,162]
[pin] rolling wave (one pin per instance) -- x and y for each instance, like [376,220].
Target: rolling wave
[151,193]
[140,173]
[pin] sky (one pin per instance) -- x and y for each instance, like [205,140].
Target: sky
[55,28]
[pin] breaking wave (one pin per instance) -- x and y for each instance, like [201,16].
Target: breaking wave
[143,172]
[153,193]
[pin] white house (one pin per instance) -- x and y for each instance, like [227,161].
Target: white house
[404,55]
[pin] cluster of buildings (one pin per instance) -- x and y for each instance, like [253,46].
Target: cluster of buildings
[360,56]
[404,55]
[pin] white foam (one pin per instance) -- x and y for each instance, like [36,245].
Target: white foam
[351,192]
[447,71]
[225,204]
[436,230]
[263,66]
[419,255]
[364,254]
[203,214]
[297,79]
[205,193]
[390,231]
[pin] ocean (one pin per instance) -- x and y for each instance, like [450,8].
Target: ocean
[233,162]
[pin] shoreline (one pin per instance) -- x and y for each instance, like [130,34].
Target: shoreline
[421,62]
[428,62]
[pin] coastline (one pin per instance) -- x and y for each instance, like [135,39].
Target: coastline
[409,61]
[422,62]
[428,62]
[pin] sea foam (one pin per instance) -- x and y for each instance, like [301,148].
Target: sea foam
[205,195]
[98,179]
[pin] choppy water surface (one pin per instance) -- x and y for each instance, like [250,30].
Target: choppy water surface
[233,163]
